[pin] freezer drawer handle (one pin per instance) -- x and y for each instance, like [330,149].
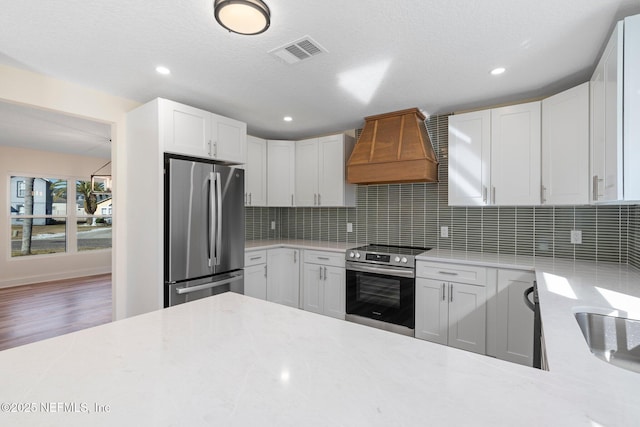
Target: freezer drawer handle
[210,285]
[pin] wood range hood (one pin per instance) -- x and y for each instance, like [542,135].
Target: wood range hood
[393,148]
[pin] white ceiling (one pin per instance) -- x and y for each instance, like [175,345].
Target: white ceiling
[382,55]
[27,127]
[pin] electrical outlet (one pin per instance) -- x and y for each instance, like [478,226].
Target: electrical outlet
[576,237]
[273,225]
[444,231]
[349,227]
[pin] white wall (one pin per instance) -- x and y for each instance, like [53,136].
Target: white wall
[33,269]
[29,88]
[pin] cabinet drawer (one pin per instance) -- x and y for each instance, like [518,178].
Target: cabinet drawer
[255,258]
[325,258]
[471,274]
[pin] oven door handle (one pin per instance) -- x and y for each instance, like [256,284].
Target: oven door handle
[400,272]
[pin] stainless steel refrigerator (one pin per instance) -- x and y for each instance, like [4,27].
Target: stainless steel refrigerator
[204,229]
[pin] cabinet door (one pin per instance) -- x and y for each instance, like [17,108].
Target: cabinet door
[432,310]
[331,164]
[514,319]
[467,317]
[306,176]
[631,108]
[470,158]
[187,130]
[334,292]
[283,276]
[313,288]
[565,147]
[255,281]
[280,173]
[229,139]
[256,172]
[606,125]
[515,155]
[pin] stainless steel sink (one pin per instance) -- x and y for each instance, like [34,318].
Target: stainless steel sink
[615,340]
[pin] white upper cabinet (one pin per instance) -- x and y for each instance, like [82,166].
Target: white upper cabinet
[281,159]
[470,158]
[320,172]
[307,172]
[333,189]
[515,155]
[256,172]
[228,139]
[187,130]
[615,108]
[565,147]
[194,132]
[494,156]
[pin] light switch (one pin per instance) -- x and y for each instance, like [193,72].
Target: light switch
[349,227]
[273,225]
[576,237]
[444,231]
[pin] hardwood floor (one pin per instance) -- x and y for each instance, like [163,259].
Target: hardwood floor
[32,313]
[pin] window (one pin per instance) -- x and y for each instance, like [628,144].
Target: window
[41,209]
[38,216]
[20,192]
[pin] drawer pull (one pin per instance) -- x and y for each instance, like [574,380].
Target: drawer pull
[323,258]
[255,258]
[448,273]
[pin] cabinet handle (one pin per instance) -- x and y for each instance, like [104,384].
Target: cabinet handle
[443,294]
[320,268]
[265,270]
[292,200]
[249,199]
[209,144]
[594,187]
[215,148]
[315,199]
[543,192]
[324,258]
[484,194]
[295,257]
[245,199]
[493,195]
[325,273]
[319,203]
[448,273]
[255,258]
[451,292]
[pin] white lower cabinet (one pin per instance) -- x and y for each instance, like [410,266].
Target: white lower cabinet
[514,320]
[323,281]
[451,313]
[255,274]
[283,276]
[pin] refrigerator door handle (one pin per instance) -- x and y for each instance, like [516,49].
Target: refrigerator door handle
[210,240]
[209,285]
[218,247]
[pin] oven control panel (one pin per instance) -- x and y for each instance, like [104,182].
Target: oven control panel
[376,258]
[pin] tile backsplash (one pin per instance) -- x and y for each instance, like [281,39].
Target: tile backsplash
[412,214]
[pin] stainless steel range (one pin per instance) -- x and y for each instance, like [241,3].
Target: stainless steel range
[381,286]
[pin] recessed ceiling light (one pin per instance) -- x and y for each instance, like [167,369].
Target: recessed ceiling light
[287,118]
[498,71]
[163,70]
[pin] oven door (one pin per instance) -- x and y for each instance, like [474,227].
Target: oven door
[381,293]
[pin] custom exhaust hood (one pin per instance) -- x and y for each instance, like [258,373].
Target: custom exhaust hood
[393,148]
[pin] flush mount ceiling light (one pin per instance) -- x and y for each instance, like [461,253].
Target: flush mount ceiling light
[242,16]
[287,118]
[163,70]
[498,71]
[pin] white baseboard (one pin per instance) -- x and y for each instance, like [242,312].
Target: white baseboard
[47,277]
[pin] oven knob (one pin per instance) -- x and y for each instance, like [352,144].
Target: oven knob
[357,254]
[351,254]
[404,260]
[397,259]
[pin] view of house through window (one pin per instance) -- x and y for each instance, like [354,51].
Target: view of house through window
[48,216]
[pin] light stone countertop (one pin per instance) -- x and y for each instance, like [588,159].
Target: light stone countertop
[237,361]
[254,245]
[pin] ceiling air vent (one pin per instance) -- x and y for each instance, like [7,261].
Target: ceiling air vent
[299,50]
